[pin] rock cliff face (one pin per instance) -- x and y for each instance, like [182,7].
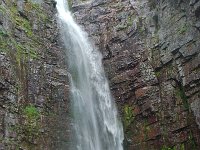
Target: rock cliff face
[33,77]
[151,57]
[151,54]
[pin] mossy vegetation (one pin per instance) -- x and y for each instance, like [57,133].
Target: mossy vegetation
[126,24]
[31,112]
[180,93]
[22,23]
[2,9]
[128,116]
[182,29]
[178,147]
[191,141]
[167,148]
[19,43]
[29,128]
[121,26]
[70,3]
[146,129]
[3,40]
[31,122]
[157,74]
[3,33]
[140,25]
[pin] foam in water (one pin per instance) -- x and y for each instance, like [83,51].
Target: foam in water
[96,126]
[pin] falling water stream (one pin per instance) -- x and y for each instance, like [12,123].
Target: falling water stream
[95,121]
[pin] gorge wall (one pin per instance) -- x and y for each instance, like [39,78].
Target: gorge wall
[33,77]
[151,56]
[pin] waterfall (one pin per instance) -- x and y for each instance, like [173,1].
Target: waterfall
[95,120]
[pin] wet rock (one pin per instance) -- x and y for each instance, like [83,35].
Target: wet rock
[32,71]
[195,108]
[197,9]
[152,65]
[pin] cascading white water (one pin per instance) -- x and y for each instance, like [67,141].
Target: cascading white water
[96,126]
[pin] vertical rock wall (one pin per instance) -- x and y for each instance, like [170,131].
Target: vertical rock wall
[33,77]
[151,56]
[152,60]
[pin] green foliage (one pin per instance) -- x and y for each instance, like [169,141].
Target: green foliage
[192,141]
[191,144]
[20,21]
[129,21]
[168,148]
[158,74]
[24,51]
[182,29]
[70,3]
[38,9]
[3,40]
[128,116]
[146,129]
[3,33]
[2,9]
[29,128]
[31,124]
[126,24]
[31,112]
[140,25]
[182,147]
[23,22]
[25,25]
[180,92]
[121,26]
